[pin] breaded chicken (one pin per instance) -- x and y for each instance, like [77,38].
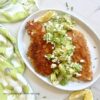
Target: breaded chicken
[81,54]
[38,48]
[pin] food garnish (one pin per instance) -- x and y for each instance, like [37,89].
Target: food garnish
[81,95]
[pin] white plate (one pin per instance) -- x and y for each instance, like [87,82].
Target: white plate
[92,41]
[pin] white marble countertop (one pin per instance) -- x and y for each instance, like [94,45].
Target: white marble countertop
[89,10]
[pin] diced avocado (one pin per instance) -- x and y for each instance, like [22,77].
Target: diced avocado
[54,79]
[63,82]
[62,69]
[76,66]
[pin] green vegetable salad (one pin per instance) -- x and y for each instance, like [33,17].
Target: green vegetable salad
[56,33]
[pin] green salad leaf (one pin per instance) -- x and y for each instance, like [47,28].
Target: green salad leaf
[63,48]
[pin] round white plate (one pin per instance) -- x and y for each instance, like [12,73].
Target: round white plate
[92,40]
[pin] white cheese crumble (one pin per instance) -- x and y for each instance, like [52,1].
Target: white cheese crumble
[53,65]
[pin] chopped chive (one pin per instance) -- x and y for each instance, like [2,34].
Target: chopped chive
[67,6]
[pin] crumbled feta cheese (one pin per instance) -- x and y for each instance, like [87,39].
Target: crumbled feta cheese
[32,33]
[78,75]
[53,47]
[53,65]
[69,38]
[45,56]
[82,60]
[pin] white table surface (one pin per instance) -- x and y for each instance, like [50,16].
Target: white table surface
[89,10]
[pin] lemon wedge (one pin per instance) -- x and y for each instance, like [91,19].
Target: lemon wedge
[81,95]
[77,95]
[47,16]
[88,95]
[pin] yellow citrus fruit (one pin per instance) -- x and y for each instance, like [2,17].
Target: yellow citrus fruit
[46,17]
[77,95]
[81,95]
[88,95]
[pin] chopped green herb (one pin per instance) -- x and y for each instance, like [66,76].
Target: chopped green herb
[69,7]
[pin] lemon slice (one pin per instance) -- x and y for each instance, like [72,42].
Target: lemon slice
[77,95]
[88,95]
[81,95]
[46,17]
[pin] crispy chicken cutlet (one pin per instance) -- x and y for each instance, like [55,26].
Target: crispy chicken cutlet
[58,51]
[81,54]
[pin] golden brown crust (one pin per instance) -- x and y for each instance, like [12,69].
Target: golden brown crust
[81,53]
[38,48]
